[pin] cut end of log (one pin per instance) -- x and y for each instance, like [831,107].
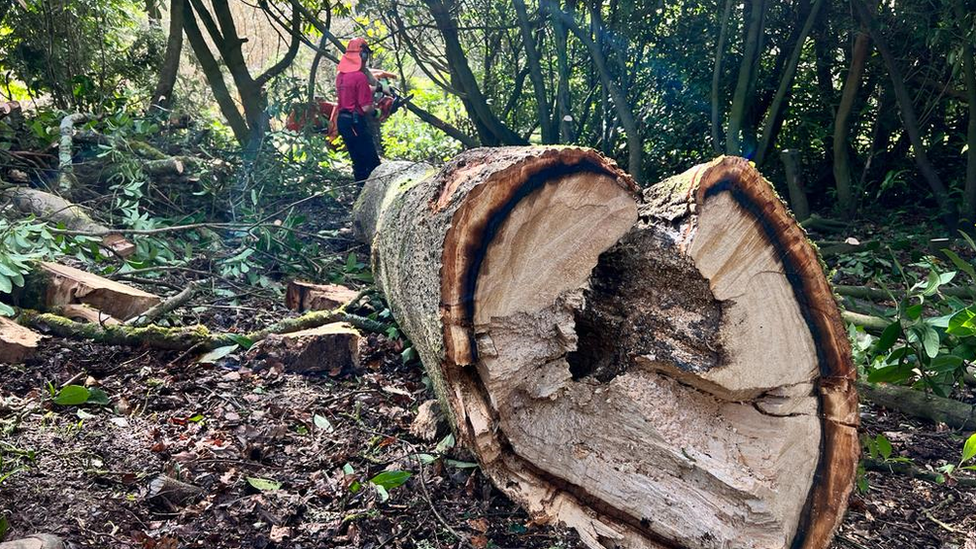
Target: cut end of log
[67,286]
[306,296]
[331,349]
[673,377]
[659,371]
[17,343]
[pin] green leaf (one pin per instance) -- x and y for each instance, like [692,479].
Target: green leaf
[884,446]
[963,323]
[888,338]
[895,373]
[460,464]
[425,459]
[322,423]
[4,527]
[263,484]
[381,493]
[348,470]
[196,419]
[961,264]
[243,341]
[97,396]
[914,312]
[217,354]
[6,310]
[445,444]
[945,363]
[72,395]
[969,449]
[391,479]
[5,284]
[930,340]
[408,354]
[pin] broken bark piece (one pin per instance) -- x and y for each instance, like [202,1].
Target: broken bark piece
[37,541]
[331,349]
[16,342]
[174,491]
[65,285]
[305,296]
[57,210]
[668,370]
[429,421]
[78,311]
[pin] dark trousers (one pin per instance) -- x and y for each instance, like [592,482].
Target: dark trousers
[355,134]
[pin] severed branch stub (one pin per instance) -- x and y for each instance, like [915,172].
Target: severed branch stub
[665,369]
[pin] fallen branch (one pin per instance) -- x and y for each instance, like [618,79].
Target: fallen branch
[182,338]
[876,294]
[919,404]
[170,304]
[57,210]
[913,471]
[868,322]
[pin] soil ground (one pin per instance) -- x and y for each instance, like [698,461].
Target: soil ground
[284,460]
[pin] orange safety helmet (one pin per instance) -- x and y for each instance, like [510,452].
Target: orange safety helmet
[352,61]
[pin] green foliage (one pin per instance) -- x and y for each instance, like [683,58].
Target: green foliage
[407,137]
[932,336]
[102,47]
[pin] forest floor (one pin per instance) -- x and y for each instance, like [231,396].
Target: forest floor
[284,460]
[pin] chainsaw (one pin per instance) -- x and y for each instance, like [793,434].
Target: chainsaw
[321,114]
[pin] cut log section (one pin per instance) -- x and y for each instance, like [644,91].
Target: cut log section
[662,371]
[81,312]
[332,349]
[305,296]
[60,285]
[16,342]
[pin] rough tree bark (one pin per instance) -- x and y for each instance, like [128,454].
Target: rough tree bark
[163,95]
[662,371]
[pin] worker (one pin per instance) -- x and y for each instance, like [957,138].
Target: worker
[355,103]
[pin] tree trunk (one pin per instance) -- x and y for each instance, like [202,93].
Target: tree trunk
[567,127]
[925,167]
[535,73]
[491,130]
[969,72]
[842,161]
[747,75]
[717,78]
[660,371]
[211,70]
[634,146]
[777,111]
[794,183]
[163,95]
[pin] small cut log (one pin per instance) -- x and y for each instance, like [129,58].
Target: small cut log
[305,296]
[657,370]
[52,286]
[331,349]
[81,312]
[16,342]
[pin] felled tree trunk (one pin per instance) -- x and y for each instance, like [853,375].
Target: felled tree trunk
[666,370]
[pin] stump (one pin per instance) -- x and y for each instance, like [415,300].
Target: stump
[332,349]
[660,369]
[304,296]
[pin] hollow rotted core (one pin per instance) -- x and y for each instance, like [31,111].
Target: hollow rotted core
[646,299]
